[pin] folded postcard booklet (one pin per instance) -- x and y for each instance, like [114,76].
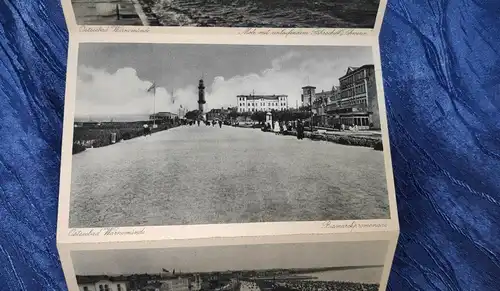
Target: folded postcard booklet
[225,145]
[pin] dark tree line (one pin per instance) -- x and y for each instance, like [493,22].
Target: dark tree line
[260,116]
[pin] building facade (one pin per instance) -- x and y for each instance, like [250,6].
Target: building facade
[102,284]
[162,116]
[255,103]
[357,101]
[320,104]
[308,95]
[178,284]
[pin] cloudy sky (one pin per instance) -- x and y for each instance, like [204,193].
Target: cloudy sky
[113,78]
[224,258]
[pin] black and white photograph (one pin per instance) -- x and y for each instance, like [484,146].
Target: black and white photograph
[192,134]
[333,266]
[228,13]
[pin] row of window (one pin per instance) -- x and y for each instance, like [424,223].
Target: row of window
[354,78]
[359,121]
[244,98]
[263,104]
[353,102]
[361,89]
[105,287]
[256,110]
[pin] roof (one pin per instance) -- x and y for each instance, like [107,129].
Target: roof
[266,97]
[163,114]
[351,70]
[307,87]
[95,279]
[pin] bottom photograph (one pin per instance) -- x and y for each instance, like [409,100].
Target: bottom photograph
[347,266]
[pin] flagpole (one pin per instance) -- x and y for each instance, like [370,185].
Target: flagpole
[154,105]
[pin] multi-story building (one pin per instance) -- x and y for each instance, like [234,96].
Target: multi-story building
[308,95]
[333,102]
[102,283]
[177,284]
[162,116]
[357,103]
[255,103]
[320,104]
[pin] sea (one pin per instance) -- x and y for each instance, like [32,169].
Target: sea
[265,13]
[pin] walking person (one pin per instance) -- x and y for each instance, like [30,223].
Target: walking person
[300,129]
[220,123]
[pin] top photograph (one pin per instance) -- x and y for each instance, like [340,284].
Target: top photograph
[355,14]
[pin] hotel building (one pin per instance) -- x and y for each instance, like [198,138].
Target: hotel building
[357,103]
[255,103]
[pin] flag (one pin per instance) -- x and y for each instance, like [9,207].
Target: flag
[152,88]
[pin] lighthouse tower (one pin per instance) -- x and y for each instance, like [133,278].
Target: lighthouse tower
[201,96]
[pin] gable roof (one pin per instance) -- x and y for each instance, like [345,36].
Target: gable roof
[351,70]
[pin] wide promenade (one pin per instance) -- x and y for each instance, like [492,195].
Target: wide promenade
[198,175]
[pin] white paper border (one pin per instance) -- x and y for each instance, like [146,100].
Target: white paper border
[152,233]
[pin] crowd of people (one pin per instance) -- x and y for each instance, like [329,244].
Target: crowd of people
[297,125]
[212,123]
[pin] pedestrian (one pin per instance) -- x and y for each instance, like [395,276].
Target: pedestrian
[198,122]
[220,123]
[300,129]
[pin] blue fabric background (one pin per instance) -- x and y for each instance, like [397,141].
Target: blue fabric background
[441,62]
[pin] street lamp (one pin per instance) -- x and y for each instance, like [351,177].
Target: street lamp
[311,104]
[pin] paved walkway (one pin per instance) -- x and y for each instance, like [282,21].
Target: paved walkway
[200,175]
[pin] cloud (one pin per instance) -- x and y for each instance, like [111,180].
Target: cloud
[101,93]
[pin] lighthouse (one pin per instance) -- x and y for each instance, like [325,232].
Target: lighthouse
[201,96]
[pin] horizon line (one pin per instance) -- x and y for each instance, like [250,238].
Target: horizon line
[310,270]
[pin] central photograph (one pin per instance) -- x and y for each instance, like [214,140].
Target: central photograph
[183,134]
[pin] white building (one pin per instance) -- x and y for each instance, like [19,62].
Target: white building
[178,284]
[254,103]
[102,284]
